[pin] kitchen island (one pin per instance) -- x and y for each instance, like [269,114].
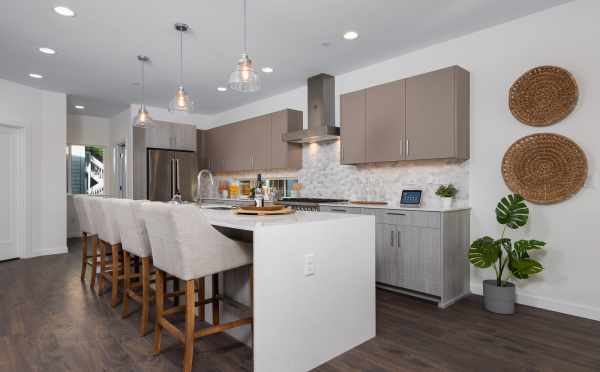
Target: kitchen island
[314,285]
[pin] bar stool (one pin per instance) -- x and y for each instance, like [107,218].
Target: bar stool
[108,235]
[185,245]
[134,239]
[87,231]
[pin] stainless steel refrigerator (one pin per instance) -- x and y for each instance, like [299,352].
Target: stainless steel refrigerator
[170,172]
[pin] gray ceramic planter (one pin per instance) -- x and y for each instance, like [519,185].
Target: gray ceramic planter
[500,300]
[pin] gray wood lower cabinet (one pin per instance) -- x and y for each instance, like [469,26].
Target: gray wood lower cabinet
[420,253]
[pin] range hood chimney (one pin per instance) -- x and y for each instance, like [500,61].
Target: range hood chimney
[321,113]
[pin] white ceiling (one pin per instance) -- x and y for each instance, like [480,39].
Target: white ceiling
[96,50]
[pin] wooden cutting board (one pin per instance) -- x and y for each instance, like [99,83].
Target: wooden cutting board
[265,211]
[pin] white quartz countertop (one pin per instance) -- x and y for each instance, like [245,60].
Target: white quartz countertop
[228,219]
[396,206]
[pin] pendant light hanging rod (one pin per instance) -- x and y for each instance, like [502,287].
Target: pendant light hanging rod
[181,27]
[245,27]
[143,60]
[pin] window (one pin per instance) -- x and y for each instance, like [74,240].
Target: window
[85,169]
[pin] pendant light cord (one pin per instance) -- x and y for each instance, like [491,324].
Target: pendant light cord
[180,58]
[245,27]
[143,83]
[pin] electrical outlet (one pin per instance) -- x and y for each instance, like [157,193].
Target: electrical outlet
[309,264]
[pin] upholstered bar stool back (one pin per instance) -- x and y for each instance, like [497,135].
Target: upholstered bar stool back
[87,231]
[134,240]
[185,245]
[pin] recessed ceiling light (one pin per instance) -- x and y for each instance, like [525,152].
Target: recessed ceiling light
[64,11]
[47,50]
[351,35]
[79,107]
[267,70]
[36,76]
[222,89]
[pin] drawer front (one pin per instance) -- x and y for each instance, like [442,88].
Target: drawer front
[349,210]
[412,218]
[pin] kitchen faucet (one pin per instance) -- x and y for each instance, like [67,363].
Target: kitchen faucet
[198,188]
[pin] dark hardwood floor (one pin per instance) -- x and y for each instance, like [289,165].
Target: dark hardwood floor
[51,321]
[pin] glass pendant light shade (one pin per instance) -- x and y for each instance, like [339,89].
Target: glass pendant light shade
[142,118]
[244,79]
[181,101]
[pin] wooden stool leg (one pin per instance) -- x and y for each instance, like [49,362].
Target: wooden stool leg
[145,295]
[126,283]
[102,268]
[251,281]
[83,254]
[190,311]
[94,262]
[215,307]
[202,297]
[160,302]
[115,275]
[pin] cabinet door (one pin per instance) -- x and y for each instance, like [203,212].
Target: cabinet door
[388,269]
[420,252]
[385,122]
[430,114]
[259,141]
[353,120]
[279,148]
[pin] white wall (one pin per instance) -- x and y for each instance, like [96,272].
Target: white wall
[565,36]
[43,117]
[88,130]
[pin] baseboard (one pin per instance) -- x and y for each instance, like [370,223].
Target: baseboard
[49,251]
[549,304]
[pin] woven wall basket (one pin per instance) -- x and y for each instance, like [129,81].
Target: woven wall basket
[545,168]
[543,96]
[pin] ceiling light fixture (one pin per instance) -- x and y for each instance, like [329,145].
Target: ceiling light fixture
[351,35]
[47,50]
[79,107]
[244,79]
[267,70]
[222,89]
[36,76]
[143,117]
[64,11]
[181,101]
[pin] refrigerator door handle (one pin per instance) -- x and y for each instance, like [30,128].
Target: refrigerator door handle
[178,170]
[172,177]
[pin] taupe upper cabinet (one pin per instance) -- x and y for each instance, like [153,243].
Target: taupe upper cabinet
[255,144]
[353,111]
[419,118]
[437,115]
[385,122]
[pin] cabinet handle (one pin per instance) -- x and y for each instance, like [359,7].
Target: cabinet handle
[396,214]
[252,162]
[391,238]
[407,147]
[339,210]
[398,240]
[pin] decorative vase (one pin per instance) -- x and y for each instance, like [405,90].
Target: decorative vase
[447,203]
[499,300]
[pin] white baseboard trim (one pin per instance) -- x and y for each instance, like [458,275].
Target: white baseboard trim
[50,251]
[549,304]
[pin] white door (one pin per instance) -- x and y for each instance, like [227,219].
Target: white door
[8,192]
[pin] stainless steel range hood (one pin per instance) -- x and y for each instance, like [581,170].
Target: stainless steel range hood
[321,113]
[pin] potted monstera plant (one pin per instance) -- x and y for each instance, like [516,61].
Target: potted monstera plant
[508,259]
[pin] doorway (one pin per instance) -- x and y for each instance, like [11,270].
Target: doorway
[11,192]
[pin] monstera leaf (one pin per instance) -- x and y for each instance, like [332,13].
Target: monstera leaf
[512,211]
[522,246]
[484,252]
[525,267]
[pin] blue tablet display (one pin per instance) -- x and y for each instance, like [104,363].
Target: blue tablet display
[411,197]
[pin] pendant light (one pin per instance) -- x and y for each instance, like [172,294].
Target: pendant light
[244,79]
[182,100]
[143,117]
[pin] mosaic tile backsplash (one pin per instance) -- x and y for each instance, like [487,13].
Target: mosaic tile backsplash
[323,176]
